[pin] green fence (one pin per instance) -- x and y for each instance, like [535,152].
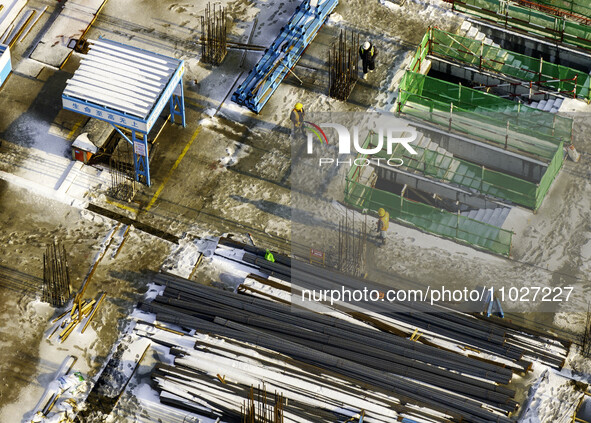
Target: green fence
[470,175]
[430,219]
[483,56]
[579,7]
[420,54]
[551,172]
[510,15]
[511,125]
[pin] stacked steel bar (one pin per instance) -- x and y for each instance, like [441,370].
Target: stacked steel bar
[283,54]
[343,66]
[213,35]
[56,276]
[483,335]
[414,373]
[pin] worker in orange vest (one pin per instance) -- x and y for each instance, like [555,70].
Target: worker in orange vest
[297,119]
[383,224]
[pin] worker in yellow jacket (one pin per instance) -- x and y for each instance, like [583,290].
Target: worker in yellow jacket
[383,224]
[297,119]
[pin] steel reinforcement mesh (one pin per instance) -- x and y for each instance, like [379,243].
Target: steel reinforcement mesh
[533,21]
[511,125]
[430,219]
[484,56]
[473,176]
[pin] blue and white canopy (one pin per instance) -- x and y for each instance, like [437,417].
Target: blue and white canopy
[124,85]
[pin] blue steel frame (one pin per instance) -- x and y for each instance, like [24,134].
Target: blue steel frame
[173,94]
[5,63]
[283,54]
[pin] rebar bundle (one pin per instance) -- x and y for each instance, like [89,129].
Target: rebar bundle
[343,66]
[262,409]
[352,245]
[213,35]
[123,184]
[56,276]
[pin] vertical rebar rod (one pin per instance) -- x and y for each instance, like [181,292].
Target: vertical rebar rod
[343,65]
[213,35]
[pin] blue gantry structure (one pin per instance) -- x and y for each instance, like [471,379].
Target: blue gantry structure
[128,87]
[283,54]
[5,63]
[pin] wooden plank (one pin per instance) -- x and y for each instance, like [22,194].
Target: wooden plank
[122,241]
[98,304]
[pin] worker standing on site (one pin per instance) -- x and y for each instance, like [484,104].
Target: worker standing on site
[368,54]
[297,119]
[383,224]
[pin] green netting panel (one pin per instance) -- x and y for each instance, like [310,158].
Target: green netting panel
[462,173]
[431,219]
[484,115]
[420,54]
[483,56]
[580,7]
[529,20]
[549,176]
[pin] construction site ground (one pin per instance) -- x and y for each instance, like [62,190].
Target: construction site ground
[228,171]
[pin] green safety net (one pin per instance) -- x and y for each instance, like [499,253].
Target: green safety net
[430,219]
[486,116]
[420,54]
[549,176]
[579,7]
[484,56]
[510,15]
[446,167]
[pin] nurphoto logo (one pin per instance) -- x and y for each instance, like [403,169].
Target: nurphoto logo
[390,136]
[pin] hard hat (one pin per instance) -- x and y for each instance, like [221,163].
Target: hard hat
[381,212]
[299,106]
[366,45]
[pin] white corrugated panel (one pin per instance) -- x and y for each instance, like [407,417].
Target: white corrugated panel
[122,78]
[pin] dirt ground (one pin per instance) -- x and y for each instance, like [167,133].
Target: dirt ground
[29,224]
[234,176]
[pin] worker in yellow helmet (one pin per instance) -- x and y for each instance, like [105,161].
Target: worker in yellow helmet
[383,224]
[297,119]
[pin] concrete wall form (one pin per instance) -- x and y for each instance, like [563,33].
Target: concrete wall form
[536,47]
[485,154]
[442,189]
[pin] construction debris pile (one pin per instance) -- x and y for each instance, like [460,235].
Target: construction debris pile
[329,367]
